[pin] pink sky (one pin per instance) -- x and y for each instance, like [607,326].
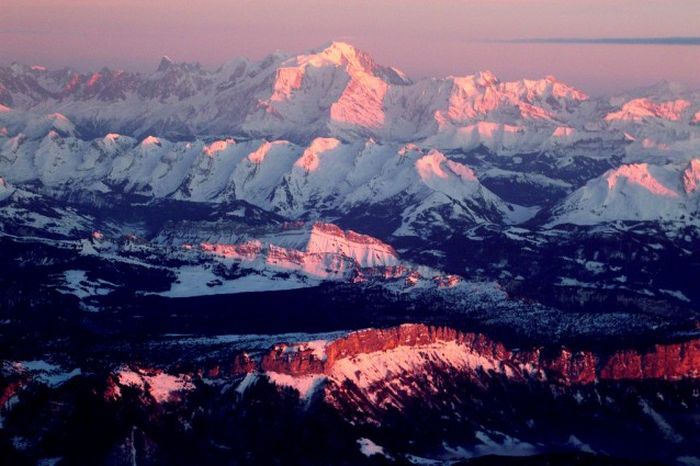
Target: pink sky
[422,37]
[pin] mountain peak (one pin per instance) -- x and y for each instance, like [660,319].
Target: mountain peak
[165,63]
[641,108]
[487,77]
[341,45]
[343,54]
[339,54]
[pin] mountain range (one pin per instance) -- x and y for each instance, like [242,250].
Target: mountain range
[320,242]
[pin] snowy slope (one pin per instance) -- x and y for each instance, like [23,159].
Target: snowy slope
[636,192]
[326,176]
[331,133]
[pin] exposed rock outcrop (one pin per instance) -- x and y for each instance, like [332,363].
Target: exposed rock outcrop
[664,361]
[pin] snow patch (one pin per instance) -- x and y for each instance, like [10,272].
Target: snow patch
[306,385]
[200,281]
[161,386]
[248,381]
[369,448]
[46,372]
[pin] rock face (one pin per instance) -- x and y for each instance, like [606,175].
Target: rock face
[364,249]
[667,361]
[320,250]
[379,376]
[673,361]
[419,378]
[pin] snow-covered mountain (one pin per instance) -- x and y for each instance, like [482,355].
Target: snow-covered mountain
[299,259]
[470,176]
[334,91]
[327,177]
[330,136]
[636,192]
[287,256]
[339,92]
[324,101]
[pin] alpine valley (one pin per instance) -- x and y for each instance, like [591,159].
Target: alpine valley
[313,259]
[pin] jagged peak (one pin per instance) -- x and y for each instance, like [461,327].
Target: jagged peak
[550,85]
[165,63]
[111,141]
[487,77]
[474,82]
[337,50]
[274,58]
[168,66]
[234,64]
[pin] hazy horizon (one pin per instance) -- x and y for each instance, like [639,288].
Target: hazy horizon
[596,45]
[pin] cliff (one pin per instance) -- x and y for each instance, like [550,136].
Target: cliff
[663,361]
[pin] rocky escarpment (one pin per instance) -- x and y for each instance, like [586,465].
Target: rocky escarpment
[320,250]
[662,361]
[412,390]
[423,388]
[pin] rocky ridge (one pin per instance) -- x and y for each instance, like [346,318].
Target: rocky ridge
[662,361]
